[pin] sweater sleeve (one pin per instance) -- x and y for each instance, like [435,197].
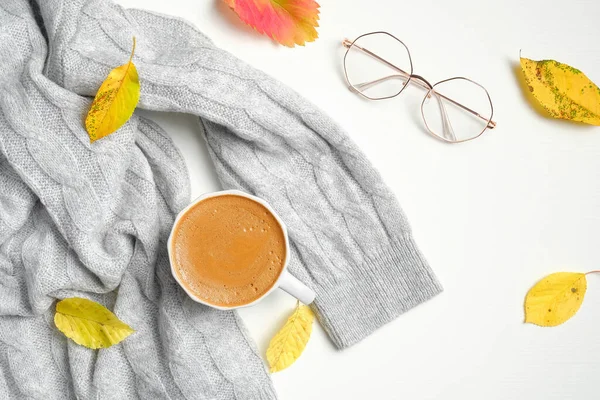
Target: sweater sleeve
[350,240]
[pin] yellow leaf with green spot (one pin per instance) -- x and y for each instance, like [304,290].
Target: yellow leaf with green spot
[115,101]
[89,324]
[289,343]
[555,299]
[565,92]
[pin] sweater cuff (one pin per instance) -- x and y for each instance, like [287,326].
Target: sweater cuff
[389,282]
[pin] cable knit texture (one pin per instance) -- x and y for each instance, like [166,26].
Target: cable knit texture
[91,220]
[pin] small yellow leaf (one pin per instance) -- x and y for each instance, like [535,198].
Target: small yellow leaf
[289,343]
[555,299]
[565,92]
[89,323]
[115,101]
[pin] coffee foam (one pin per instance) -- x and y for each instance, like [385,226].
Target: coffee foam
[228,250]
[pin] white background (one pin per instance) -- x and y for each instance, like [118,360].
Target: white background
[492,216]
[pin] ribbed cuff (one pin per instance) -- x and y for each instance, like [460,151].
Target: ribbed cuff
[391,281]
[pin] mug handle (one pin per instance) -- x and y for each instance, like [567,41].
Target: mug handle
[294,287]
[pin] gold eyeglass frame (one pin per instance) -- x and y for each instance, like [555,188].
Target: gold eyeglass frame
[417,79]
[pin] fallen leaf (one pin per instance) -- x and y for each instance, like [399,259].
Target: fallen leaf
[289,343]
[115,101]
[565,92]
[555,299]
[288,22]
[89,324]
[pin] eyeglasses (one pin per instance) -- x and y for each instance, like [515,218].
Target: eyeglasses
[378,66]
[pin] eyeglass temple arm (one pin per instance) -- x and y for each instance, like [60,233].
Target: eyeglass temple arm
[366,85]
[447,123]
[418,80]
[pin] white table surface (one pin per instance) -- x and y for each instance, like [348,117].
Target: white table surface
[492,216]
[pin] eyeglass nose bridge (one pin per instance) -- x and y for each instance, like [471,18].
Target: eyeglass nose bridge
[422,80]
[424,83]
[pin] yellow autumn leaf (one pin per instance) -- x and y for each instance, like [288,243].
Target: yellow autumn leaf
[555,299]
[89,324]
[115,101]
[565,92]
[289,343]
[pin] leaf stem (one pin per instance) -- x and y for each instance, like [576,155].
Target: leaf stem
[596,271]
[132,50]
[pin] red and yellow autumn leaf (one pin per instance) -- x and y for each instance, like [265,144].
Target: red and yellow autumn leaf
[289,22]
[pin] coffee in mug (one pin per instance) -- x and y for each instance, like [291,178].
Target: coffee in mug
[228,250]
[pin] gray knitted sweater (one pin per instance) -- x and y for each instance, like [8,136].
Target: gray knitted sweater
[81,219]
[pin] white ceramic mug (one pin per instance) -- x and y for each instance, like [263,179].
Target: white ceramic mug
[285,281]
